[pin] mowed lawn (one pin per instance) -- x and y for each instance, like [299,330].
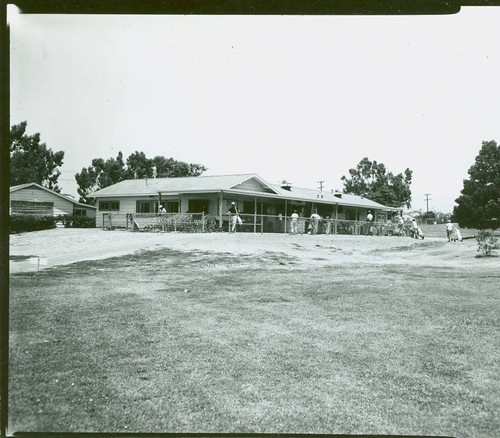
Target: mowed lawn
[166,341]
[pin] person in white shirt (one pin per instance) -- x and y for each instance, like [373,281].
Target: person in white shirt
[369,220]
[315,218]
[449,229]
[294,220]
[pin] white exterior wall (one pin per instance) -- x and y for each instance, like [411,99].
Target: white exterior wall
[128,203]
[34,194]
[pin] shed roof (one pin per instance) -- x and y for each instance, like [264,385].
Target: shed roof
[38,186]
[233,184]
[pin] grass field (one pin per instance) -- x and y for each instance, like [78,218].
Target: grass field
[173,341]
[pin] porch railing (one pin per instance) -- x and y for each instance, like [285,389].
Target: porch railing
[250,223]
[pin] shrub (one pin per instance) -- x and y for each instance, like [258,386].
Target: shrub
[487,242]
[73,221]
[19,223]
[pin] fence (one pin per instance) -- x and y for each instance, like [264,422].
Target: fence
[250,223]
[185,222]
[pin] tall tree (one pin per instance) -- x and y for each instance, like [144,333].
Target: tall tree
[99,175]
[32,161]
[371,180]
[105,173]
[478,206]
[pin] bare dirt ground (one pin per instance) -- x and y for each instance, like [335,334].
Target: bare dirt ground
[62,246]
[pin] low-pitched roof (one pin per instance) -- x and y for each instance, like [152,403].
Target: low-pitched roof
[300,193]
[231,183]
[38,186]
[151,186]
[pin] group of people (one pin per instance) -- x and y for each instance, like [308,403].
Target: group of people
[452,231]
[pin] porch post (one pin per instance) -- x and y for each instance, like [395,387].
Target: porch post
[286,213]
[255,216]
[336,216]
[261,218]
[220,209]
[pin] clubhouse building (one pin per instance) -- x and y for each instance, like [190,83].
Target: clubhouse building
[258,201]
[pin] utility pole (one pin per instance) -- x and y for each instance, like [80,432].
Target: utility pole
[320,185]
[427,200]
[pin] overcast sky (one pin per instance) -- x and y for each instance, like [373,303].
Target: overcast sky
[298,97]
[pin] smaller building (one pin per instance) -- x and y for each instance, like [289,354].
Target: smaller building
[32,198]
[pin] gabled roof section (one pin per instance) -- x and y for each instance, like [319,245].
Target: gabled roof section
[254,184]
[38,186]
[212,183]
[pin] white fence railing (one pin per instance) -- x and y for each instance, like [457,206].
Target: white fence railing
[248,223]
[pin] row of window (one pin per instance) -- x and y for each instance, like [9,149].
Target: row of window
[201,205]
[109,205]
[194,206]
[36,207]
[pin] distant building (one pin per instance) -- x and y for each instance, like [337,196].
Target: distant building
[32,198]
[213,195]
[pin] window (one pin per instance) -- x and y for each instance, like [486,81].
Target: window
[79,212]
[32,207]
[198,206]
[109,205]
[172,206]
[350,214]
[249,207]
[146,207]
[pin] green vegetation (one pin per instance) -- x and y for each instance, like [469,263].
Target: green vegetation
[74,221]
[32,161]
[487,243]
[103,173]
[371,180]
[479,202]
[20,223]
[204,342]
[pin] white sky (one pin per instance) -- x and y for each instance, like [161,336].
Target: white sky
[297,97]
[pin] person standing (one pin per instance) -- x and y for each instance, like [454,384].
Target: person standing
[401,223]
[456,235]
[449,229]
[161,210]
[414,228]
[294,220]
[315,218]
[369,221]
[234,215]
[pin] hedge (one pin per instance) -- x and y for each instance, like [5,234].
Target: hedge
[19,223]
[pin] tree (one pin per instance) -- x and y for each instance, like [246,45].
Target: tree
[32,161]
[105,173]
[478,206]
[371,180]
[99,175]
